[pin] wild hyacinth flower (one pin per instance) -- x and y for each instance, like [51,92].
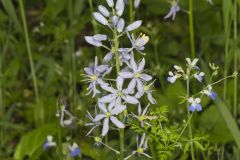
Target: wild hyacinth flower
[192,63]
[172,78]
[109,113]
[124,56]
[142,115]
[96,40]
[100,18]
[138,43]
[74,150]
[195,104]
[147,89]
[174,9]
[49,142]
[140,148]
[117,95]
[137,76]
[208,91]
[92,123]
[94,75]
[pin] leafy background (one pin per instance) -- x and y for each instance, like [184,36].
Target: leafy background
[56,31]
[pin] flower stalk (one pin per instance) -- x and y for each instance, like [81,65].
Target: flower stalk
[191,28]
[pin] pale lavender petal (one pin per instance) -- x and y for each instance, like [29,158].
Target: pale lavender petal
[100,37]
[88,70]
[120,81]
[151,99]
[118,109]
[126,74]
[134,25]
[105,126]
[120,11]
[145,77]
[98,117]
[108,98]
[115,20]
[110,3]
[116,122]
[119,4]
[136,3]
[133,65]
[103,10]
[107,57]
[102,68]
[142,140]
[130,99]
[141,65]
[100,18]
[139,109]
[102,106]
[102,83]
[110,89]
[92,41]
[140,87]
[120,25]
[146,155]
[110,106]
[145,110]
[131,85]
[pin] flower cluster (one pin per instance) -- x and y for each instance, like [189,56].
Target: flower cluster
[192,72]
[115,96]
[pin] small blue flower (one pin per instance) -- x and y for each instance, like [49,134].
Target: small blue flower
[208,91]
[49,143]
[195,104]
[74,150]
[199,76]
[171,78]
[173,11]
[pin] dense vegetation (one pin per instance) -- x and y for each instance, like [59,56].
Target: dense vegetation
[190,81]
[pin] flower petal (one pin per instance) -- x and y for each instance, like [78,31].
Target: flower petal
[126,74]
[116,122]
[100,18]
[110,3]
[118,109]
[105,126]
[120,81]
[98,117]
[130,99]
[92,41]
[100,37]
[131,85]
[120,25]
[145,77]
[102,106]
[141,65]
[108,98]
[133,65]
[103,10]
[134,25]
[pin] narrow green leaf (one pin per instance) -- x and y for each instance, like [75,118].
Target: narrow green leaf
[8,6]
[229,120]
[33,141]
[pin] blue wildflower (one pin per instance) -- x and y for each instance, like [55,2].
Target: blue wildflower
[199,76]
[74,150]
[208,91]
[195,104]
[49,142]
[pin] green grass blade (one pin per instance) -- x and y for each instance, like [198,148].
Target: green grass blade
[229,120]
[8,6]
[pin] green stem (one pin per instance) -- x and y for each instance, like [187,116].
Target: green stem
[190,126]
[28,45]
[72,53]
[191,29]
[235,62]
[59,131]
[121,132]
[131,14]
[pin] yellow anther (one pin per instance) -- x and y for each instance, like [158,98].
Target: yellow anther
[146,88]
[141,118]
[140,150]
[108,114]
[93,77]
[137,75]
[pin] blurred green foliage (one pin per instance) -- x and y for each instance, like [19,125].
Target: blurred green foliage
[57,29]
